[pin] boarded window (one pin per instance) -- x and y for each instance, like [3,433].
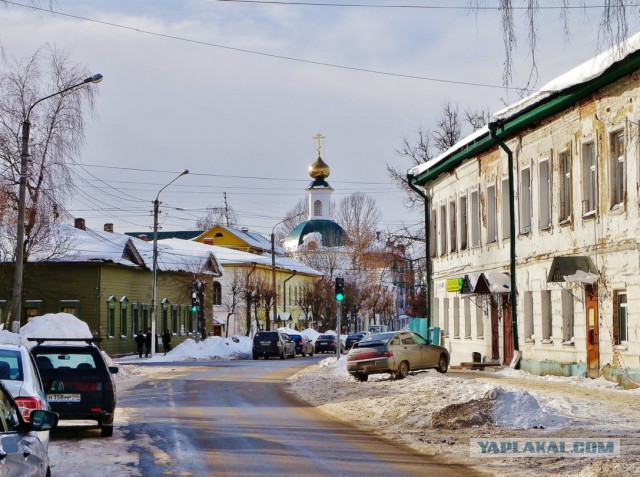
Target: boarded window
[565,189]
[544,195]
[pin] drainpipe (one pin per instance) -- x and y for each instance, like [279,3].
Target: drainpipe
[248,299]
[493,126]
[427,257]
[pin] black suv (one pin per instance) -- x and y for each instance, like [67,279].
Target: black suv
[352,339]
[272,343]
[77,380]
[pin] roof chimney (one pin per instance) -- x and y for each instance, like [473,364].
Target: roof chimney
[108,228]
[208,241]
[143,237]
[79,224]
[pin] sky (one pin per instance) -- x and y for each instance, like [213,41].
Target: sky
[236,91]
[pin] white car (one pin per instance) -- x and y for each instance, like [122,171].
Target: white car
[20,375]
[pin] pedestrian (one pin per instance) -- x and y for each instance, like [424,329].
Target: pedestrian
[140,342]
[147,343]
[166,341]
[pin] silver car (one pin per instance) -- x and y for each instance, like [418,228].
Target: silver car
[22,451]
[397,353]
[20,375]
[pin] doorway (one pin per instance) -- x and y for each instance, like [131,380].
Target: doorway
[593,342]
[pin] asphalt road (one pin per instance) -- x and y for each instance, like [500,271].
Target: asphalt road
[235,418]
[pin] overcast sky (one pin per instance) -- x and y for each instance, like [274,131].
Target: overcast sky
[219,87]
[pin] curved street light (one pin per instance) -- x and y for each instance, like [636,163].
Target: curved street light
[156,207]
[22,193]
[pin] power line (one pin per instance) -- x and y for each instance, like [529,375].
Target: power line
[416,7]
[270,55]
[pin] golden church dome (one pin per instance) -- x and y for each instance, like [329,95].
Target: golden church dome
[319,169]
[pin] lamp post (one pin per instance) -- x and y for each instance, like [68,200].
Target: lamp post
[156,207]
[273,270]
[22,193]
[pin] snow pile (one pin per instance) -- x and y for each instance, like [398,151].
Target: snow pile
[214,347]
[520,410]
[54,325]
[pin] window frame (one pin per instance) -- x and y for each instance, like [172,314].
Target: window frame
[492,226]
[617,166]
[464,222]
[589,179]
[544,193]
[526,200]
[565,187]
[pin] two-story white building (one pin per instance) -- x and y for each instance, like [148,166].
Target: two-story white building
[563,227]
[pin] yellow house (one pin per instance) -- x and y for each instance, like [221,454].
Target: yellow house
[249,271]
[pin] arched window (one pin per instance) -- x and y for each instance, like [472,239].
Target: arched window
[217,293]
[317,208]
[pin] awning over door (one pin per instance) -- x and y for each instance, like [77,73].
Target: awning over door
[486,283]
[575,269]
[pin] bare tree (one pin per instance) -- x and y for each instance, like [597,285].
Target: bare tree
[359,215]
[294,216]
[231,297]
[448,127]
[217,215]
[57,133]
[613,28]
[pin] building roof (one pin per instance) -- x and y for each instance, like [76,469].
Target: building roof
[252,239]
[180,234]
[557,95]
[332,234]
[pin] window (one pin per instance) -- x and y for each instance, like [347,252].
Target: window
[124,305]
[165,315]
[620,325]
[528,315]
[433,229]
[479,320]
[475,219]
[566,204]
[618,175]
[567,315]
[452,227]
[464,225]
[456,318]
[69,306]
[545,310]
[467,318]
[135,319]
[544,197]
[525,201]
[589,179]
[504,209]
[435,310]
[32,308]
[317,208]
[217,293]
[145,316]
[491,214]
[443,230]
[174,318]
[111,317]
[445,317]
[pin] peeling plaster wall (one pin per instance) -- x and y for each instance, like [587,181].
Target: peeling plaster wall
[609,237]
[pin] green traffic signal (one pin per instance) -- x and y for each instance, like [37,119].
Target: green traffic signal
[339,289]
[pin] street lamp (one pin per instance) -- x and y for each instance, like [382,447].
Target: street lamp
[22,193]
[273,269]
[156,207]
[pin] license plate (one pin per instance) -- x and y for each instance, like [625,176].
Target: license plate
[63,397]
[265,343]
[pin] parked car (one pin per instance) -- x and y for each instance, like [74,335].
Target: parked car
[272,343]
[22,451]
[352,339]
[19,374]
[325,343]
[78,382]
[396,352]
[303,346]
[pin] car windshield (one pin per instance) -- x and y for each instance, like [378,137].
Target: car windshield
[295,337]
[356,335]
[65,359]
[384,337]
[325,337]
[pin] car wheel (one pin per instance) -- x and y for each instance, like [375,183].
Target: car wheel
[443,364]
[362,377]
[403,370]
[283,355]
[106,431]
[255,356]
[311,353]
[304,354]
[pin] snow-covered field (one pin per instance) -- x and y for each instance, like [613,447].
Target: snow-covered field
[436,414]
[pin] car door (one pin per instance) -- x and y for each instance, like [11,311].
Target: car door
[21,453]
[411,350]
[429,354]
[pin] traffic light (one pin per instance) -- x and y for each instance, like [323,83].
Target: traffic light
[339,289]
[194,302]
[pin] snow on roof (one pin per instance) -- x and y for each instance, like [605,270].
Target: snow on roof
[254,239]
[230,256]
[582,73]
[179,255]
[70,244]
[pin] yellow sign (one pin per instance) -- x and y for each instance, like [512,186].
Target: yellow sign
[454,284]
